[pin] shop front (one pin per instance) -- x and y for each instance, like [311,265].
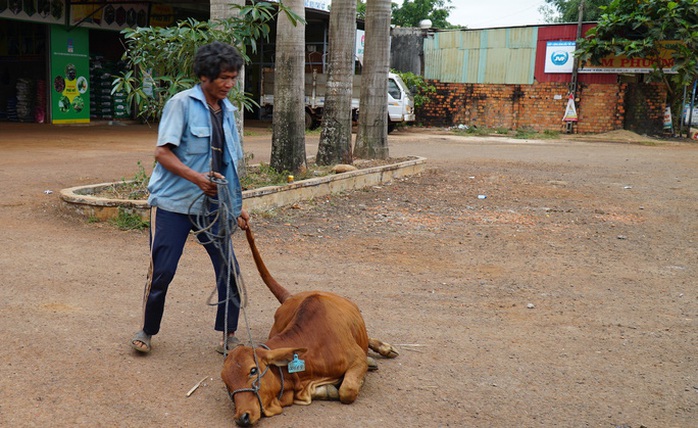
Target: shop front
[59,70]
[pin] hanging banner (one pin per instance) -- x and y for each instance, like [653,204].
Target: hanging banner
[668,123]
[70,71]
[314,4]
[570,111]
[559,58]
[161,15]
[109,15]
[44,11]
[359,45]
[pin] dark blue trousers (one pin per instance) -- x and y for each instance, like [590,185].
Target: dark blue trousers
[168,234]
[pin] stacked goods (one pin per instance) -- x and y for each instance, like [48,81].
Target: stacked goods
[25,100]
[12,109]
[40,106]
[100,95]
[105,105]
[119,105]
[119,100]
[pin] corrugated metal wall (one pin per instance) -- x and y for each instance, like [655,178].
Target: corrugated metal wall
[555,33]
[499,56]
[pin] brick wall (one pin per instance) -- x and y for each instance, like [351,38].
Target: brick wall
[645,107]
[541,106]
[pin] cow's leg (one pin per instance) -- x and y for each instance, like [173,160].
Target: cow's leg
[326,392]
[385,349]
[372,364]
[353,379]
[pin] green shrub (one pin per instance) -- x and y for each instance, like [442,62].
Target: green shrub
[127,220]
[420,89]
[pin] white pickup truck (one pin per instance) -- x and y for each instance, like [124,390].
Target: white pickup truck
[400,101]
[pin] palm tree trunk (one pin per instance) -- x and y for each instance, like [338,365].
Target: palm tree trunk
[372,137]
[288,123]
[335,138]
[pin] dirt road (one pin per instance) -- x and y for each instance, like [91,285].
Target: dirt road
[526,284]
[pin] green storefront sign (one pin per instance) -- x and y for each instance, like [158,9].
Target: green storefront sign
[70,72]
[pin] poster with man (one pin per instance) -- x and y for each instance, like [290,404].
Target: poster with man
[70,71]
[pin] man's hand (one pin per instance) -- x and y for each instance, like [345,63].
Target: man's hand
[206,184]
[243,220]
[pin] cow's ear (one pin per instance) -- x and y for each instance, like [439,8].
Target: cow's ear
[282,356]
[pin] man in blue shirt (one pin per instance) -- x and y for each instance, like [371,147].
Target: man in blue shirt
[195,187]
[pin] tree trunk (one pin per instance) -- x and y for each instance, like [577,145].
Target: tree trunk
[335,138]
[372,137]
[288,123]
[221,10]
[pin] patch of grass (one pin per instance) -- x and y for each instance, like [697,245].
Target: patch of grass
[132,188]
[266,214]
[549,134]
[127,220]
[525,133]
[264,175]
[473,130]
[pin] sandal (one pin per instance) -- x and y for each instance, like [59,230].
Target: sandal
[232,343]
[144,338]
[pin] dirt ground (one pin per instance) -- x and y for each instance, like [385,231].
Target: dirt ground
[526,284]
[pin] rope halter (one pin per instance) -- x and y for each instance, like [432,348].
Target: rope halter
[257,383]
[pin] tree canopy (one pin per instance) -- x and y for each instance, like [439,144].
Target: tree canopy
[411,12]
[152,76]
[644,28]
[568,10]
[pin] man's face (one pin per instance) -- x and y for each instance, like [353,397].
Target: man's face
[70,72]
[218,88]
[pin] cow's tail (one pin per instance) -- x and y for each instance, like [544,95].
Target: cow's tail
[277,289]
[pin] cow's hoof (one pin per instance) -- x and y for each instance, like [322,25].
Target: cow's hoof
[372,364]
[326,392]
[385,349]
[392,353]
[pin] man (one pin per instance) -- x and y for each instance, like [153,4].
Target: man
[195,180]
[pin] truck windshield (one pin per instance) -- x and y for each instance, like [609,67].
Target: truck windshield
[394,89]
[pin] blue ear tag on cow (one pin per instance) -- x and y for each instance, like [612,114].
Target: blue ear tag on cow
[296,365]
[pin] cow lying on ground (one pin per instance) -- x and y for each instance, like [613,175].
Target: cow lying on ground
[317,349]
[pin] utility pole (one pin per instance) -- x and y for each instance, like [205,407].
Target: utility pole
[575,66]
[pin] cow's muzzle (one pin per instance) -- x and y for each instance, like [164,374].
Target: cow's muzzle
[244,420]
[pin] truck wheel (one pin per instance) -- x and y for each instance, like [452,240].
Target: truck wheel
[391,126]
[310,122]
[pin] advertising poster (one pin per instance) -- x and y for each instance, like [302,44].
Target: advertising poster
[70,71]
[359,44]
[559,57]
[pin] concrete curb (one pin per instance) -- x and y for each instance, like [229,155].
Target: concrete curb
[80,200]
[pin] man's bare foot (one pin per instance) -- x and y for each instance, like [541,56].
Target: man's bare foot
[232,342]
[141,342]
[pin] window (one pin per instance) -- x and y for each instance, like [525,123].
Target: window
[394,89]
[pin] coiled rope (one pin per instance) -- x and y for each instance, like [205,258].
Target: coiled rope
[216,211]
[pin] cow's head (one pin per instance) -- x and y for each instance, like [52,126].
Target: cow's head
[254,381]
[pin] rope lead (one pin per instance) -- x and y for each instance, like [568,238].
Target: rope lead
[217,211]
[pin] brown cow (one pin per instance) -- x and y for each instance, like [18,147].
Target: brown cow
[320,330]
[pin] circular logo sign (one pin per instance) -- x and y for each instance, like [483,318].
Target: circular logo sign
[559,57]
